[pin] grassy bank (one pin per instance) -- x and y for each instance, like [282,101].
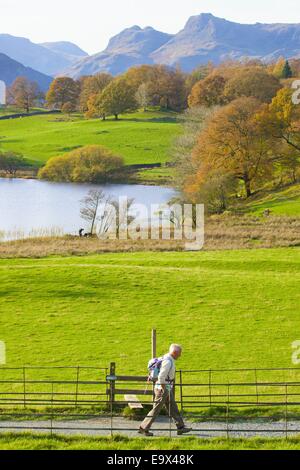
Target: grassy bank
[40,442]
[285,201]
[221,233]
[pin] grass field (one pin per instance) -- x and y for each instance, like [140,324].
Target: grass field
[281,202]
[228,309]
[40,442]
[139,137]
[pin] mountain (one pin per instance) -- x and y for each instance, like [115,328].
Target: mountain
[133,46]
[207,38]
[11,69]
[204,38]
[66,49]
[48,59]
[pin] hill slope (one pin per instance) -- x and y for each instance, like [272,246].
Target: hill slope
[11,69]
[133,46]
[49,60]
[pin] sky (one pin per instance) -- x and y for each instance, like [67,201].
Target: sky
[91,23]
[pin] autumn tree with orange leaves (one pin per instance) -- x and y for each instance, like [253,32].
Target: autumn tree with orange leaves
[232,143]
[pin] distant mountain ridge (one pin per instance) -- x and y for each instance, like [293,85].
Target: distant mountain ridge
[204,38]
[11,69]
[48,59]
[133,46]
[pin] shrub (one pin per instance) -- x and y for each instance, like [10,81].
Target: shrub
[89,164]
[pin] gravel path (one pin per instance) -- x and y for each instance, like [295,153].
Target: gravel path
[208,429]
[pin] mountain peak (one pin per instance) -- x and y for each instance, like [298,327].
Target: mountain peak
[199,22]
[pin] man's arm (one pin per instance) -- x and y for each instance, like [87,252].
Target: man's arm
[164,372]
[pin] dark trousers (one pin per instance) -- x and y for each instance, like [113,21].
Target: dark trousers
[163,399]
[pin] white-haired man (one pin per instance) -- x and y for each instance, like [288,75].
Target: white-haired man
[164,394]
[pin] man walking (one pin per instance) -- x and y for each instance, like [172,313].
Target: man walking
[164,394]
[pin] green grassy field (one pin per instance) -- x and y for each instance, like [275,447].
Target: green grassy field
[139,137]
[281,202]
[40,442]
[229,309]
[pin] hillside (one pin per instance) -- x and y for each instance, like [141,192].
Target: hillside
[11,69]
[207,38]
[133,46]
[204,38]
[282,201]
[49,59]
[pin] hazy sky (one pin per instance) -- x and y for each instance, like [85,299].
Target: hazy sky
[90,23]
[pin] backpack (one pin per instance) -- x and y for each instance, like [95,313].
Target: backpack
[154,366]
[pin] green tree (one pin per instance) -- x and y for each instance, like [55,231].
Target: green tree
[11,162]
[287,71]
[117,98]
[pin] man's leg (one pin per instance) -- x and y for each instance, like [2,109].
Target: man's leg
[173,410]
[159,402]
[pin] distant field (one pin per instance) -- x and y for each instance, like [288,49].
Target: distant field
[229,309]
[138,137]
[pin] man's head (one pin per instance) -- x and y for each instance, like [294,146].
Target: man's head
[175,350]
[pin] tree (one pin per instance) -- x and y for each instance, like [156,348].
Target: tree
[91,86]
[63,90]
[232,143]
[164,85]
[208,92]
[142,96]
[193,122]
[89,164]
[198,74]
[281,119]
[118,97]
[282,69]
[255,82]
[167,88]
[68,108]
[91,205]
[24,93]
[280,123]
[216,191]
[287,71]
[11,162]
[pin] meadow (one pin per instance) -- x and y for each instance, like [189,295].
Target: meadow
[229,309]
[138,137]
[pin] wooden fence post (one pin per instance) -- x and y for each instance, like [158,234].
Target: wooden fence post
[112,374]
[153,343]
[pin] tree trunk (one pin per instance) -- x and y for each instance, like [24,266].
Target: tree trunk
[247,183]
[116,117]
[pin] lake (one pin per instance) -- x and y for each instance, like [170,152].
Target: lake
[33,206]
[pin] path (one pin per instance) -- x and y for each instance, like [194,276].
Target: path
[208,429]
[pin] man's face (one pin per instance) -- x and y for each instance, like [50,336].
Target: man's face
[176,354]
